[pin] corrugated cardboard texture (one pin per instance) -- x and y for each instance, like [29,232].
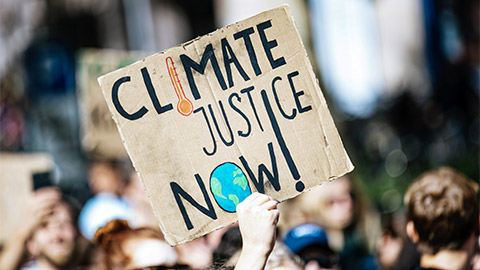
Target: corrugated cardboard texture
[258,99]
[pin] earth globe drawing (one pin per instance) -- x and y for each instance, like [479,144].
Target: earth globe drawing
[229,186]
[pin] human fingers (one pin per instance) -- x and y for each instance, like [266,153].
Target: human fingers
[250,198]
[276,215]
[269,205]
[45,196]
[44,201]
[251,202]
[42,204]
[41,211]
[48,192]
[259,199]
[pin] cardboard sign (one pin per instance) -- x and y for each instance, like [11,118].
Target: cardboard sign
[210,121]
[100,136]
[16,175]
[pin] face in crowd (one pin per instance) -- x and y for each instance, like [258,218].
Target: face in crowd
[54,240]
[338,204]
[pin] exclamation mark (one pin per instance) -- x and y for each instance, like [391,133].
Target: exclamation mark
[299,185]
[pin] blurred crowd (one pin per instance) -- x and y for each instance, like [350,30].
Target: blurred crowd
[329,227]
[402,79]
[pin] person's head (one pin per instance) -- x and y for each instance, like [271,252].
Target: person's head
[282,258]
[310,243]
[442,211]
[108,176]
[341,208]
[54,241]
[229,245]
[127,248]
[395,250]
[332,203]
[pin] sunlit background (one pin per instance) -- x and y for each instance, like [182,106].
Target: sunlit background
[401,77]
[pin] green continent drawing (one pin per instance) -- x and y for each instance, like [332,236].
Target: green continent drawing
[216,188]
[241,181]
[234,199]
[237,172]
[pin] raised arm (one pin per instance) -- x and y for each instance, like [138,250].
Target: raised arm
[257,219]
[38,208]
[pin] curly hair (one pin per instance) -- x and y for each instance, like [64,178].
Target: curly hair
[110,237]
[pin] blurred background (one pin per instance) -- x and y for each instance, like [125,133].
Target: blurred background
[401,77]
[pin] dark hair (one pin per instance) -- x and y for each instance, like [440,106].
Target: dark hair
[73,206]
[443,206]
[230,244]
[121,166]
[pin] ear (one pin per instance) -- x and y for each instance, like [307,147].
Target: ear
[412,232]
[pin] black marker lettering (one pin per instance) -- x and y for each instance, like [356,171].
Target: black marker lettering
[229,58]
[249,127]
[116,102]
[178,191]
[297,94]
[152,94]
[189,64]
[209,129]
[247,90]
[245,34]
[226,121]
[273,179]
[281,141]
[294,112]
[268,45]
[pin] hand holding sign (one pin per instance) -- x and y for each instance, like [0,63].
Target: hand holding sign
[257,219]
[257,122]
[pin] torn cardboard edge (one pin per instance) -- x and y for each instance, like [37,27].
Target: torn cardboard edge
[331,151]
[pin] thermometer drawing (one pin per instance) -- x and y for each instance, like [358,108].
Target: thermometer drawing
[184,105]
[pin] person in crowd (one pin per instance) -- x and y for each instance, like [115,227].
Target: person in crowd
[134,194]
[107,181]
[309,241]
[443,219]
[352,227]
[215,238]
[229,246]
[127,248]
[48,238]
[282,258]
[196,254]
[395,250]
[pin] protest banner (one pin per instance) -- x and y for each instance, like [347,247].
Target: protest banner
[210,121]
[100,138]
[16,185]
